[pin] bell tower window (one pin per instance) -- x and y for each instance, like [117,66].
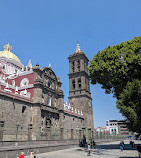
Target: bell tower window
[73,84]
[72,69]
[78,65]
[79,83]
[73,66]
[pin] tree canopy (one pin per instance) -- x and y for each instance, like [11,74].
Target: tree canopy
[129,104]
[117,66]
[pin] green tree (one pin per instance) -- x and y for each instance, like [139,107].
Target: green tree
[117,65]
[129,104]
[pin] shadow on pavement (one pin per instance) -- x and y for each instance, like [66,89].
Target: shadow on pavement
[115,146]
[128,157]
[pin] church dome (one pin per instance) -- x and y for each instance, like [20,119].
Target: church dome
[8,54]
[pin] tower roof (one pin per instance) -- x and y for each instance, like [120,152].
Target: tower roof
[78,49]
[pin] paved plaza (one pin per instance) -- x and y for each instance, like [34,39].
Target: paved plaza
[104,150]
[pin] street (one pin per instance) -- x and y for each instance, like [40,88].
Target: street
[104,150]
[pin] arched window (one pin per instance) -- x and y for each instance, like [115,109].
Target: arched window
[73,66]
[73,84]
[78,65]
[49,84]
[79,83]
[49,101]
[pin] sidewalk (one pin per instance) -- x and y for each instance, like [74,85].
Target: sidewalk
[111,151]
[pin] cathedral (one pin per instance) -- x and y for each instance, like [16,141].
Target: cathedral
[32,102]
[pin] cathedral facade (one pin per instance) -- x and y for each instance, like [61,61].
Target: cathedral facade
[32,102]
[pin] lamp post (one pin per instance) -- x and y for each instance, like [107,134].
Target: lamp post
[77,128]
[17,127]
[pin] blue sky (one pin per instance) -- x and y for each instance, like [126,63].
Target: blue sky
[47,32]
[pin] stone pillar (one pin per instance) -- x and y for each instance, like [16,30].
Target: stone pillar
[36,121]
[61,133]
[44,122]
[52,101]
[89,134]
[61,103]
[29,131]
[83,82]
[75,68]
[81,64]
[38,95]
[72,134]
[70,67]
[1,130]
[76,83]
[46,99]
[48,133]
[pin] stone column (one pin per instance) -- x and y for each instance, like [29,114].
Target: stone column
[36,118]
[75,68]
[76,83]
[61,133]
[83,82]
[1,130]
[81,65]
[52,101]
[70,67]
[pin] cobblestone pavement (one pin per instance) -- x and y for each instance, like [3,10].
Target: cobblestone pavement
[104,150]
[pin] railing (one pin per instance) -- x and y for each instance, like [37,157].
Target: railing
[21,134]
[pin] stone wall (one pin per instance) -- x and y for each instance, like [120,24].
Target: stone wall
[16,116]
[73,127]
[13,149]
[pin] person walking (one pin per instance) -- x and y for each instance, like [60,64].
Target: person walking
[31,154]
[89,150]
[22,155]
[121,145]
[139,150]
[94,144]
[131,144]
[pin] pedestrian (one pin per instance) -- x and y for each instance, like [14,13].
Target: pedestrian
[121,145]
[91,144]
[22,155]
[94,144]
[84,141]
[139,150]
[89,149]
[31,154]
[131,145]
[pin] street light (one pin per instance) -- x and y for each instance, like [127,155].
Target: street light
[77,128]
[17,126]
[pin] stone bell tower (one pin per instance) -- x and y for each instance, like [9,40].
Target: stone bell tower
[79,89]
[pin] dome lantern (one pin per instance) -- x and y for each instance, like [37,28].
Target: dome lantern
[7,48]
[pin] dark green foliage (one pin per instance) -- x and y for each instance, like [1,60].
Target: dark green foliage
[129,104]
[115,66]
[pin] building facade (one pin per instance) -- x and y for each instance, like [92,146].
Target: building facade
[32,101]
[117,127]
